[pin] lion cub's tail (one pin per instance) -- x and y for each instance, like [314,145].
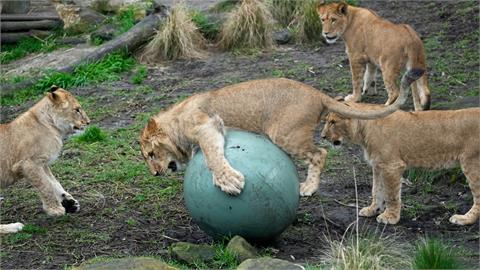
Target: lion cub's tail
[408,78]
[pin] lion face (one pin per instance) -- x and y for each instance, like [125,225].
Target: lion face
[67,112]
[334,20]
[335,129]
[159,152]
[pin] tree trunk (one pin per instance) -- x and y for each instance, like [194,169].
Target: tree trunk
[28,25]
[15,7]
[27,17]
[15,37]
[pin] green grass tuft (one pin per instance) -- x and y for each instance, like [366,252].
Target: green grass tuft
[106,69]
[24,47]
[225,6]
[207,27]
[140,75]
[91,134]
[126,19]
[433,254]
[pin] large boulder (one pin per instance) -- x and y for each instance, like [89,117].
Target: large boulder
[131,263]
[267,263]
[241,249]
[191,253]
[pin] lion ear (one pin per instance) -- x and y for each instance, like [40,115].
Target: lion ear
[53,88]
[320,5]
[342,8]
[339,98]
[152,126]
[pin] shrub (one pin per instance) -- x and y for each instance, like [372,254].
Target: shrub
[91,134]
[249,26]
[208,28]
[179,38]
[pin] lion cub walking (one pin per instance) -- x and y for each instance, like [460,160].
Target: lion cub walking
[31,142]
[373,42]
[429,139]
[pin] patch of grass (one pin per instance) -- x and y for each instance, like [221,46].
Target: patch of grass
[125,19]
[24,47]
[106,69]
[249,26]
[225,6]
[92,134]
[307,25]
[366,252]
[207,27]
[434,254]
[18,237]
[178,38]
[32,229]
[283,11]
[140,75]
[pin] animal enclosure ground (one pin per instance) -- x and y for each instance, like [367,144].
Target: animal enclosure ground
[127,212]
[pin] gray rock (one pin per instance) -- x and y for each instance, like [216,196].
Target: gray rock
[267,263]
[191,253]
[282,36]
[241,248]
[132,263]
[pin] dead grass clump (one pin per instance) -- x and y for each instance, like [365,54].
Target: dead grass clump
[178,38]
[307,23]
[249,26]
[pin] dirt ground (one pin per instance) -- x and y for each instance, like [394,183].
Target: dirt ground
[427,206]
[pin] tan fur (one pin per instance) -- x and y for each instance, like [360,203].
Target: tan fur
[31,142]
[373,42]
[285,110]
[429,139]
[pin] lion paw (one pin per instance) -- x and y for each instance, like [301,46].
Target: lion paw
[369,211]
[70,204]
[308,188]
[388,218]
[229,181]
[352,98]
[11,228]
[462,220]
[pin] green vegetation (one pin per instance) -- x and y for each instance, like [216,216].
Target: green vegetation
[91,134]
[140,75]
[307,22]
[225,6]
[125,19]
[207,27]
[106,69]
[24,47]
[283,11]
[434,254]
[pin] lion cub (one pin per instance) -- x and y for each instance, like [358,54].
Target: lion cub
[33,141]
[373,43]
[429,139]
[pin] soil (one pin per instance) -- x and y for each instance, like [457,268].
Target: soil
[330,212]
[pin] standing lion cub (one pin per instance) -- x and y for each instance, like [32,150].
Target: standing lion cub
[402,140]
[284,110]
[373,42]
[33,141]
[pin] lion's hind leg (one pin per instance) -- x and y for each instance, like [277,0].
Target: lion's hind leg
[472,172]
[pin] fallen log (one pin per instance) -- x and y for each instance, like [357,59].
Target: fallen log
[28,17]
[15,37]
[129,41]
[8,26]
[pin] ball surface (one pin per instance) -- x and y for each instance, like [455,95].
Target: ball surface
[268,201]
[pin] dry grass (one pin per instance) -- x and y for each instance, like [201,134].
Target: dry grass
[249,26]
[307,23]
[283,11]
[178,38]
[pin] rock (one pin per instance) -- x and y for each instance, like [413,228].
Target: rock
[191,253]
[104,33]
[241,248]
[267,263]
[282,36]
[132,263]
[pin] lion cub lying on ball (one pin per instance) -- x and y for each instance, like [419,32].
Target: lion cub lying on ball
[429,139]
[31,142]
[285,110]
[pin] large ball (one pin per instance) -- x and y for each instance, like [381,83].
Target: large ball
[268,202]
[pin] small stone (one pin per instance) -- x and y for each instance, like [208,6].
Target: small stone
[241,248]
[191,253]
[282,36]
[267,263]
[131,263]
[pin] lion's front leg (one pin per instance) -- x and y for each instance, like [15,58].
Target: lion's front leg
[33,170]
[210,136]
[391,179]
[68,202]
[378,197]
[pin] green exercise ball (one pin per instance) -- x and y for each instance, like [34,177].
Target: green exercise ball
[268,202]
